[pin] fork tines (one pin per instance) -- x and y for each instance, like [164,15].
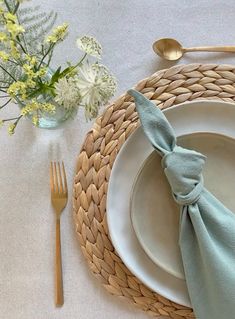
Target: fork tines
[58,178]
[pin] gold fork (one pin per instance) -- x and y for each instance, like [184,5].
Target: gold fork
[59,199]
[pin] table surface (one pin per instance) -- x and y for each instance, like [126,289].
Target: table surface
[126,29]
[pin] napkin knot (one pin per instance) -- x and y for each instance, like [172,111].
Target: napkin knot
[183,169]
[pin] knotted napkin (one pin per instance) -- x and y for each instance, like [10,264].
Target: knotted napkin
[207,227]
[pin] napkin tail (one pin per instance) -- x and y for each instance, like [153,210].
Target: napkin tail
[161,130]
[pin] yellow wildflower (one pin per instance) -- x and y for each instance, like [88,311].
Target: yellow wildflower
[30,83]
[2,9]
[33,61]
[58,34]
[27,57]
[31,75]
[14,29]
[42,71]
[35,120]
[14,51]
[23,97]
[11,129]
[34,106]
[10,17]
[16,88]
[28,70]
[25,110]
[3,37]
[4,56]
[48,107]
[20,88]
[30,108]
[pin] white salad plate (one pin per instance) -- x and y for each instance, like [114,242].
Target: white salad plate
[154,213]
[191,117]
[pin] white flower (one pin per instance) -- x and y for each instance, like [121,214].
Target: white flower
[67,93]
[89,45]
[96,85]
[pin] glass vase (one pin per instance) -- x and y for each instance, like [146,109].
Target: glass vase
[53,120]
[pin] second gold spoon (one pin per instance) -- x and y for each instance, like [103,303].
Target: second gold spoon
[170,49]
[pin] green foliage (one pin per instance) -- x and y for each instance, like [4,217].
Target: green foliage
[37,25]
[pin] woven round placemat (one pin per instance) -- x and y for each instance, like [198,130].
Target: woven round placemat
[101,146]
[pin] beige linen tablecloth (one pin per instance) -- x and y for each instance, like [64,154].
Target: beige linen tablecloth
[126,29]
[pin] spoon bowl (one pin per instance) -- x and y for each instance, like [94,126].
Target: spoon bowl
[169,49]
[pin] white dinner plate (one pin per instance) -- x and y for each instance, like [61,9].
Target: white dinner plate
[191,117]
[154,213]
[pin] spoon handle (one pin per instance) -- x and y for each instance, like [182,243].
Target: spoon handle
[211,49]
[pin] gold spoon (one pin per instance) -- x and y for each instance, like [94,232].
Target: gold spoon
[170,49]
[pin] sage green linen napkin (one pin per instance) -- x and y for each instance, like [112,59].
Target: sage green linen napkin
[207,227]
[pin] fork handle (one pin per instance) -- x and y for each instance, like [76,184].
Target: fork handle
[59,297]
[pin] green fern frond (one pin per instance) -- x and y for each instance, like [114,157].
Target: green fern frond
[36,24]
[28,10]
[46,29]
[10,4]
[33,18]
[45,22]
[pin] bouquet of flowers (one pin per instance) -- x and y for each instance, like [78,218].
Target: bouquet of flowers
[27,44]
